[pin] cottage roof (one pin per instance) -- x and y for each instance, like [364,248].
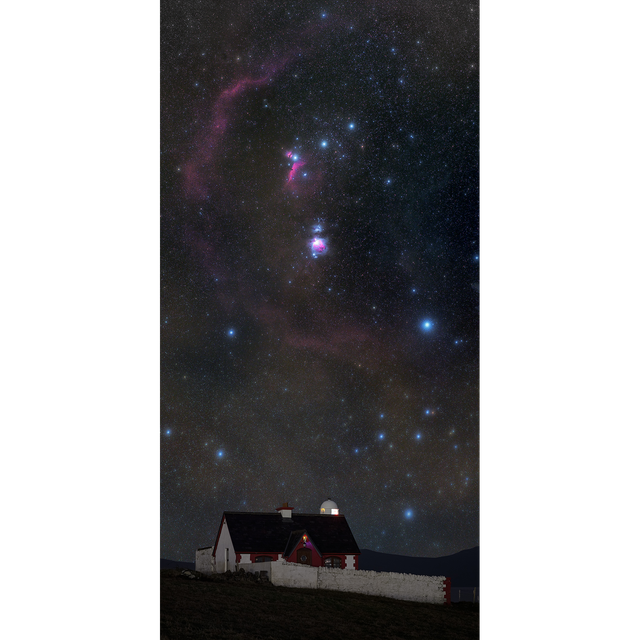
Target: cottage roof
[270,532]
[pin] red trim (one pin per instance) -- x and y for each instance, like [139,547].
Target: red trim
[343,556]
[447,590]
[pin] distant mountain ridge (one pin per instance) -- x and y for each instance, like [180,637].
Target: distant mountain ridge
[463,567]
[176,564]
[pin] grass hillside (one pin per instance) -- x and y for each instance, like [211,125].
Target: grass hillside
[245,609]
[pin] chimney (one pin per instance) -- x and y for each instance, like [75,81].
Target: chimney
[285,510]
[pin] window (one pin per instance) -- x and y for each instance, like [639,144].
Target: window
[263,559]
[333,562]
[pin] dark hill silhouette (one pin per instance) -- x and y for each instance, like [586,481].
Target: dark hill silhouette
[463,567]
[176,564]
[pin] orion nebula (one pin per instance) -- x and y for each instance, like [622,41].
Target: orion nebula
[318,246]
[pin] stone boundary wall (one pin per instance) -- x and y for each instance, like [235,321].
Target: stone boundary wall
[204,560]
[401,586]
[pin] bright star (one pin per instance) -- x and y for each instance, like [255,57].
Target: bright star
[220,453]
[352,126]
[426,325]
[168,432]
[408,513]
[323,143]
[418,436]
[231,332]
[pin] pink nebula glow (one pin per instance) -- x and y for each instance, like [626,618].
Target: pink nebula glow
[318,246]
[294,168]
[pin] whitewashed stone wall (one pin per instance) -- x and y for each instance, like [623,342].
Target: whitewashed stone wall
[401,586]
[204,560]
[291,574]
[225,542]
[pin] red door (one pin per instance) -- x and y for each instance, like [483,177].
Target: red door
[304,556]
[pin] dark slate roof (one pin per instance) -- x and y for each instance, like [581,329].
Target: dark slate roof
[256,532]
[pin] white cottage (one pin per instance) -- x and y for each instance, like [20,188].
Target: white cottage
[319,540]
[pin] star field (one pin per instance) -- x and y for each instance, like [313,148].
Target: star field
[320,268]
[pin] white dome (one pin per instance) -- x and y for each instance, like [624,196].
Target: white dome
[329,507]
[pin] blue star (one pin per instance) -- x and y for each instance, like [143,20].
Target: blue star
[220,453]
[352,125]
[323,143]
[418,436]
[381,436]
[231,332]
[427,325]
[408,514]
[168,432]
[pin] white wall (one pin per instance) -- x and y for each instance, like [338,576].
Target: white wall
[224,542]
[401,586]
[204,560]
[350,563]
[291,574]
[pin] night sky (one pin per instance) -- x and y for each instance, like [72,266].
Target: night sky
[320,268]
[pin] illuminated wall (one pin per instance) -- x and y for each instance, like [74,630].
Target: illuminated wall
[400,586]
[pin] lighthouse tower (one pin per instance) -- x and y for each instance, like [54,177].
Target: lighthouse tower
[329,507]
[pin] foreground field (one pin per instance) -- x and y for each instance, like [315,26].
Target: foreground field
[246,610]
